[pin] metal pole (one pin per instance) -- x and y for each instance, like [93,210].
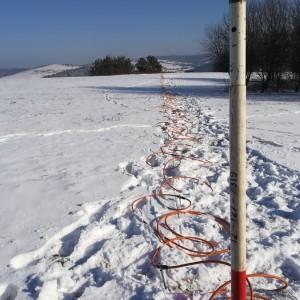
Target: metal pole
[238,148]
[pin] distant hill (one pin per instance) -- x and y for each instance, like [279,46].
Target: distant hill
[42,72]
[75,72]
[11,71]
[170,63]
[187,63]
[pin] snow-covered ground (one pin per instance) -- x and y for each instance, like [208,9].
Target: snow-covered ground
[273,120]
[72,161]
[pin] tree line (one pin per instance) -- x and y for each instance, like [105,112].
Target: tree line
[123,65]
[273,44]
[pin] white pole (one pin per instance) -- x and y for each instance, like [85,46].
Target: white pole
[238,148]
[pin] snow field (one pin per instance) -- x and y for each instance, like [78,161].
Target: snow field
[102,250]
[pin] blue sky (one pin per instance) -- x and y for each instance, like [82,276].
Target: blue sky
[38,32]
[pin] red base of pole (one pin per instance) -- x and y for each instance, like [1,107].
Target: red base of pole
[238,285]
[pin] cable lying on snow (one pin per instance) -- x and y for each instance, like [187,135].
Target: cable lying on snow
[178,148]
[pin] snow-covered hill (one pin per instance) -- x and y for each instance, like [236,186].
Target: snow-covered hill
[11,71]
[73,159]
[41,72]
[187,63]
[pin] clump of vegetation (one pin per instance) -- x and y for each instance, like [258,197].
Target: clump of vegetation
[122,65]
[112,66]
[150,64]
[273,43]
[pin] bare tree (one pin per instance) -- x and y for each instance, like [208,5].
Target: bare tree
[268,41]
[273,41]
[217,44]
[253,35]
[295,44]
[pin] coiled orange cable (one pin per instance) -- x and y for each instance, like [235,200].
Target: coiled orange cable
[178,147]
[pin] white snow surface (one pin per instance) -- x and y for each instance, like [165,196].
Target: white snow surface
[72,160]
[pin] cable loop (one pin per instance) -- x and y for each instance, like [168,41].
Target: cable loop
[178,146]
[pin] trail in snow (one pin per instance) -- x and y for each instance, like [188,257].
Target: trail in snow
[8,137]
[105,253]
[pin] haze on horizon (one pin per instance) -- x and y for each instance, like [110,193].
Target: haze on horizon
[35,33]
